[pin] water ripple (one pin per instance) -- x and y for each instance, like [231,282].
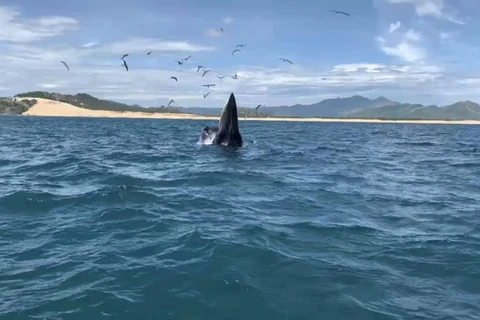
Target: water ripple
[131,218]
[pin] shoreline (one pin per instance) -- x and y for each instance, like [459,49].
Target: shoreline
[50,108]
[185,116]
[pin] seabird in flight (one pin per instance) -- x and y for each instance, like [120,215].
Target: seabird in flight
[65,65]
[339,12]
[285,60]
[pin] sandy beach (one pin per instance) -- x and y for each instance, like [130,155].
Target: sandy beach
[50,108]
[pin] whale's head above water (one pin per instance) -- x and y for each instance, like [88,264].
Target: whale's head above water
[227,133]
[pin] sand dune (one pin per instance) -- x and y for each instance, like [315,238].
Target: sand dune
[50,108]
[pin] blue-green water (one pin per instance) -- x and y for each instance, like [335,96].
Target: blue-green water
[132,219]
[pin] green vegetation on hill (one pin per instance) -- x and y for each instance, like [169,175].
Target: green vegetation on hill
[12,106]
[86,101]
[328,108]
[464,110]
[358,107]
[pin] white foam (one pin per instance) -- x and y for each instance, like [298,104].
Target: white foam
[208,140]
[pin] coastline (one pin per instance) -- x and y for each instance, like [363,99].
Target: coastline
[50,108]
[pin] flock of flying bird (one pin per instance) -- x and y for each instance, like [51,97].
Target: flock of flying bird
[205,70]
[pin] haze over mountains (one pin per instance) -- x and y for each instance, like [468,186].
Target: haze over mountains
[351,107]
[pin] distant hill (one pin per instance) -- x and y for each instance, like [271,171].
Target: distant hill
[464,110]
[358,107]
[329,108]
[86,101]
[14,106]
[350,107]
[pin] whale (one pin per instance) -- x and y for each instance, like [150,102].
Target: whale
[227,133]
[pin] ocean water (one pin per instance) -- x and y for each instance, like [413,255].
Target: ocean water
[132,219]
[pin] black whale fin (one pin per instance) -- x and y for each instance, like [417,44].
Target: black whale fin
[228,131]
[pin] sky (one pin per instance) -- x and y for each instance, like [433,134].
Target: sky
[412,51]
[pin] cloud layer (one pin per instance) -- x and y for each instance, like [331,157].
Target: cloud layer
[409,68]
[434,8]
[15,29]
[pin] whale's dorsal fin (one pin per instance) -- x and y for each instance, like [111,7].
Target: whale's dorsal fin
[228,130]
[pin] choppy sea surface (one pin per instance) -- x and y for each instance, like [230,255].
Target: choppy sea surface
[132,219]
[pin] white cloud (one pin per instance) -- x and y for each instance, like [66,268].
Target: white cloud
[137,45]
[36,56]
[413,35]
[48,85]
[15,29]
[394,26]
[407,48]
[455,20]
[389,73]
[90,44]
[405,51]
[227,20]
[214,32]
[434,8]
[451,38]
[354,67]
[425,7]
[445,35]
[474,81]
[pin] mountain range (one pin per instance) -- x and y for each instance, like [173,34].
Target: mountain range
[354,107]
[330,108]
[358,107]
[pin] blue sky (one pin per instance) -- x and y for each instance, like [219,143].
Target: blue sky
[421,51]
